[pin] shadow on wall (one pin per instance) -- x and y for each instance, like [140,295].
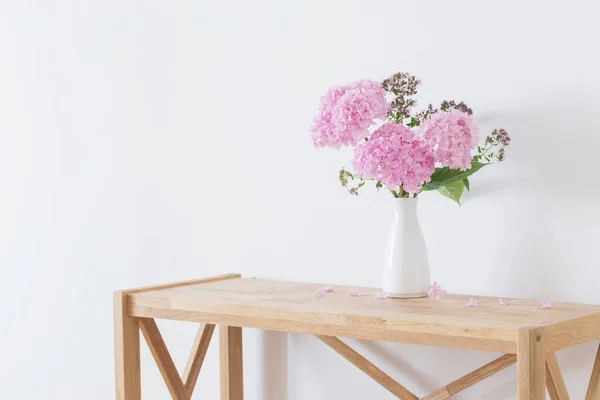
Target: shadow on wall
[272,365]
[554,229]
[552,233]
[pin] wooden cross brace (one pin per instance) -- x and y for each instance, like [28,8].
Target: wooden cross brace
[182,388]
[554,380]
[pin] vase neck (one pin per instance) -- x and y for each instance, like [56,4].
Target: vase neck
[406,207]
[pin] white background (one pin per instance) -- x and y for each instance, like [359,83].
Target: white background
[151,141]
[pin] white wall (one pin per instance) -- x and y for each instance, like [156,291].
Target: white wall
[149,141]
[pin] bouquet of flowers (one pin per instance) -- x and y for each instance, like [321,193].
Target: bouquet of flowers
[405,152]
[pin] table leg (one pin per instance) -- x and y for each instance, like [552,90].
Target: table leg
[531,364]
[593,392]
[230,349]
[127,351]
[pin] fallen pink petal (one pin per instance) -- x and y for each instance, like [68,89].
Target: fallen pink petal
[433,287]
[269,291]
[435,291]
[329,289]
[545,304]
[437,295]
[472,302]
[381,296]
[354,292]
[320,293]
[503,303]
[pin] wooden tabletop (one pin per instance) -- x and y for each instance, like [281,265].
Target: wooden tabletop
[294,307]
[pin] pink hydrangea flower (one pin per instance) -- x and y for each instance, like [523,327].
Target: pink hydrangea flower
[472,302]
[395,156]
[356,109]
[435,291]
[322,130]
[346,113]
[545,304]
[452,136]
[354,292]
[381,295]
[329,289]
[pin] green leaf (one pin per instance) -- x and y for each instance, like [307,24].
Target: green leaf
[445,176]
[413,122]
[453,191]
[467,184]
[361,184]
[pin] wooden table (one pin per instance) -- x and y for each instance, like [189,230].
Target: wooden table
[526,334]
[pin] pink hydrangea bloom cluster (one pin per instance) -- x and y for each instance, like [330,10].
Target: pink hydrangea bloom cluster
[395,156]
[403,153]
[452,136]
[346,113]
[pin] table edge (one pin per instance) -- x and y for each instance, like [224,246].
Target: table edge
[571,332]
[491,344]
[171,285]
[557,335]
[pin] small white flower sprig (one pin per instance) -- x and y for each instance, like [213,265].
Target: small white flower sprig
[436,292]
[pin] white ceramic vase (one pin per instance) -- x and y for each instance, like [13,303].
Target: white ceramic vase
[406,267]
